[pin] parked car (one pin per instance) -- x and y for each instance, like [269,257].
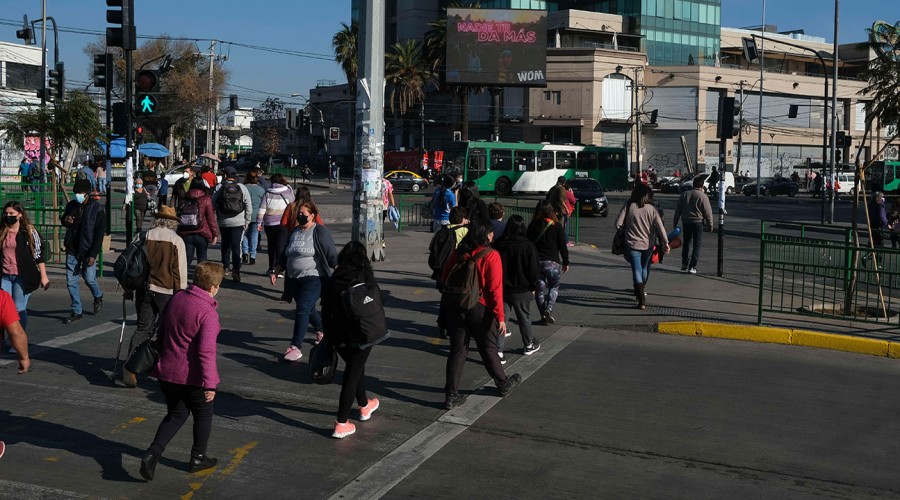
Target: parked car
[773,187]
[172,175]
[590,196]
[406,180]
[688,184]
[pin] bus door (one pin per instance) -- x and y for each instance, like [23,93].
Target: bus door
[476,164]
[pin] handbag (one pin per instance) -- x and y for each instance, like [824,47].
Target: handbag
[323,362]
[144,357]
[618,242]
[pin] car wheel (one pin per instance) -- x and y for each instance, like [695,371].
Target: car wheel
[415,188]
[503,187]
[604,213]
[792,193]
[729,190]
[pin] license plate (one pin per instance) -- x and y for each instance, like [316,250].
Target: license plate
[587,208]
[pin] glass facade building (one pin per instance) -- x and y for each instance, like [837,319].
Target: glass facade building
[675,32]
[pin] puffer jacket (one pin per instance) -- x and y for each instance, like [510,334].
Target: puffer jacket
[273,204]
[208,227]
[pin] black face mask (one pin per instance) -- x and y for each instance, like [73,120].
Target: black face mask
[9,220]
[303,219]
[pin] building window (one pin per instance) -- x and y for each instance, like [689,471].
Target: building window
[553,96]
[23,76]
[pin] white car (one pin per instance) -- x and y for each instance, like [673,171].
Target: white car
[172,175]
[729,182]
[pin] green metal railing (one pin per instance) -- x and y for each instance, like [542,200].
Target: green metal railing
[813,269]
[414,212]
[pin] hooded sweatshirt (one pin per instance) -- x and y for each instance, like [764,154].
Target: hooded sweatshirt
[208,227]
[521,268]
[273,204]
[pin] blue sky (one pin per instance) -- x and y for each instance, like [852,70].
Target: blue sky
[307,26]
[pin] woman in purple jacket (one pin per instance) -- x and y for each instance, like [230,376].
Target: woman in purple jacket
[187,367]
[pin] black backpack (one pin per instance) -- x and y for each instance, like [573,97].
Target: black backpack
[132,269]
[365,314]
[462,291]
[231,200]
[189,215]
[442,245]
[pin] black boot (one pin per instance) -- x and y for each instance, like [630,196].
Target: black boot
[148,465]
[202,462]
[639,295]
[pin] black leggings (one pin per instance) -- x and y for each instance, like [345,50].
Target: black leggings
[354,385]
[276,237]
[182,400]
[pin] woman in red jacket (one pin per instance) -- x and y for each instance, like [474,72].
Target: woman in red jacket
[485,322]
[198,227]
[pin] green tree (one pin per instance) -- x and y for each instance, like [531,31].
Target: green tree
[883,77]
[346,52]
[268,125]
[73,122]
[408,74]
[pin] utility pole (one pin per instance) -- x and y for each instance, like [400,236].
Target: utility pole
[43,148]
[212,112]
[209,112]
[368,170]
[637,124]
[740,145]
[834,123]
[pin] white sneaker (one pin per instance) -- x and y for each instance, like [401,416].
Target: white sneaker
[692,270]
[502,359]
[292,354]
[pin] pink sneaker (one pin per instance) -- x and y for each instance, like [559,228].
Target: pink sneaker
[3,447]
[365,412]
[292,354]
[343,430]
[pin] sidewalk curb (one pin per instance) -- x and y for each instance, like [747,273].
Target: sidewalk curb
[784,336]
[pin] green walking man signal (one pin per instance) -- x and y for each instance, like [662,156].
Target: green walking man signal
[145,105]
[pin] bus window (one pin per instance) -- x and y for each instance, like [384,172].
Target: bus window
[525,161]
[501,159]
[565,160]
[545,160]
[477,164]
[588,160]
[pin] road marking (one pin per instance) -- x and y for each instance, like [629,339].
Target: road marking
[12,489]
[239,455]
[381,477]
[70,339]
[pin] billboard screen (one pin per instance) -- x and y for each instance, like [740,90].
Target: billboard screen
[497,47]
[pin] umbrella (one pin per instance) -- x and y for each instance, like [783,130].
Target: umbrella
[153,150]
[210,156]
[117,150]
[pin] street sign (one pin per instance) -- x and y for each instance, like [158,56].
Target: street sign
[145,104]
[334,134]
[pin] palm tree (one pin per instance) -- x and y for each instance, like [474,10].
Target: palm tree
[436,48]
[346,52]
[408,74]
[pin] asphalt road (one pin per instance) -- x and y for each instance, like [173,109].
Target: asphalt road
[602,412]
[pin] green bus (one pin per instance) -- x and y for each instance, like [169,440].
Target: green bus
[510,167]
[883,176]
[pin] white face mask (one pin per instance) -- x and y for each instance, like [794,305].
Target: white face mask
[80,197]
[187,175]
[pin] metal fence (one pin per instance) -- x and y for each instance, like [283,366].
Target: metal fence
[811,269]
[415,211]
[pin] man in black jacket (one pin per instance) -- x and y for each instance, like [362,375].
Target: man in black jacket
[85,223]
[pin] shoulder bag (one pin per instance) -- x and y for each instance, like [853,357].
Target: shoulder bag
[618,242]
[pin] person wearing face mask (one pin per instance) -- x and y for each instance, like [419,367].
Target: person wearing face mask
[186,370]
[85,223]
[23,269]
[141,204]
[189,180]
[307,261]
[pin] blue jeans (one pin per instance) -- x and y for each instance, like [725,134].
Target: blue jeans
[306,294]
[250,241]
[12,284]
[74,269]
[640,263]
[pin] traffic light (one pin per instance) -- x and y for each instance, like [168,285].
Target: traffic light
[728,110]
[654,115]
[750,52]
[837,156]
[139,138]
[26,33]
[120,116]
[146,86]
[103,66]
[841,138]
[58,82]
[124,35]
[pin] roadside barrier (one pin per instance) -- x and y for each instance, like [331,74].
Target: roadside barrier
[812,269]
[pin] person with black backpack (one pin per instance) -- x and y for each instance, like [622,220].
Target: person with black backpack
[167,273]
[197,222]
[233,210]
[473,300]
[343,332]
[444,242]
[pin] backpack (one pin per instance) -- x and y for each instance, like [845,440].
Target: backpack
[442,245]
[462,290]
[79,175]
[231,199]
[189,215]
[365,312]
[132,270]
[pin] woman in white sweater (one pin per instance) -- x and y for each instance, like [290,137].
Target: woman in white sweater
[277,198]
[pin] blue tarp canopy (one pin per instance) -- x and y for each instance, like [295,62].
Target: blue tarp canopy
[117,149]
[153,150]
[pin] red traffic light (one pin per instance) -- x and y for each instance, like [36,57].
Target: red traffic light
[140,130]
[146,81]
